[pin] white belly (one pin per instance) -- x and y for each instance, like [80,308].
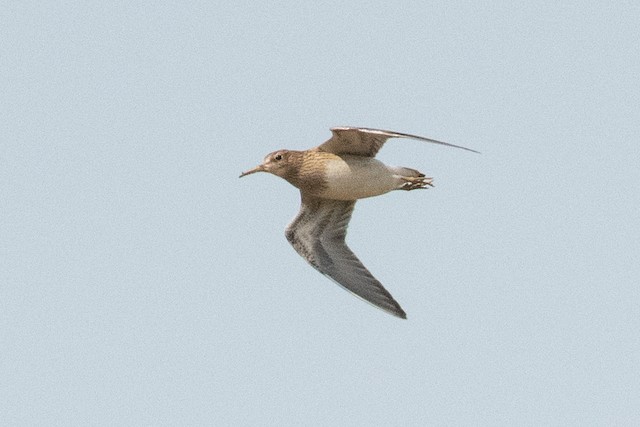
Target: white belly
[355,177]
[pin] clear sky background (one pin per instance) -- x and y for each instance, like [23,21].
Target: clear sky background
[143,283]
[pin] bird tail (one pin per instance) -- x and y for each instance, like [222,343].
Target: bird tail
[408,172]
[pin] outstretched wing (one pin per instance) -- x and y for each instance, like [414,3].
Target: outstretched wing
[318,234]
[367,142]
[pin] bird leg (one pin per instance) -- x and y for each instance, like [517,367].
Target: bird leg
[414,183]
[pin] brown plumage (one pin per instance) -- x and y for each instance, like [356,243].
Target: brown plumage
[331,177]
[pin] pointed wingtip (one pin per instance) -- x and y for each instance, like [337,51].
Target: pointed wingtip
[393,134]
[399,312]
[393,309]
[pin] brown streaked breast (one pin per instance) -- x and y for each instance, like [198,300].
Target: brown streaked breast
[308,171]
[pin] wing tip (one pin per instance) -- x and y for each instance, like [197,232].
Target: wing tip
[397,311]
[394,134]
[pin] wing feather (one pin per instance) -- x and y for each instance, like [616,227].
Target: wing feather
[318,234]
[367,142]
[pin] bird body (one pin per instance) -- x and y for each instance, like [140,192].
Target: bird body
[357,177]
[331,177]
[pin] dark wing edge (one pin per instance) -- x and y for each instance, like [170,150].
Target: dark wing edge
[367,142]
[318,233]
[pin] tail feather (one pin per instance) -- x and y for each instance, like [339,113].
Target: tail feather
[401,171]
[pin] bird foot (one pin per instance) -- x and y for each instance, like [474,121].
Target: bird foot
[414,183]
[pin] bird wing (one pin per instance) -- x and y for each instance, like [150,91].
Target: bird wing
[318,234]
[367,142]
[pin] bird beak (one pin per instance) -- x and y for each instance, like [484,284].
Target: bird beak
[259,168]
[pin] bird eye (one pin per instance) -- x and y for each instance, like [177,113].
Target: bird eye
[277,157]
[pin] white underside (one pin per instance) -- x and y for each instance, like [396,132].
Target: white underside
[355,177]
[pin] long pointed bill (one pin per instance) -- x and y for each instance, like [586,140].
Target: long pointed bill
[259,168]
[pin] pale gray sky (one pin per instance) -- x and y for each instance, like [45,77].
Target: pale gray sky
[143,283]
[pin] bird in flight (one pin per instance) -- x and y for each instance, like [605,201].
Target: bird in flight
[331,178]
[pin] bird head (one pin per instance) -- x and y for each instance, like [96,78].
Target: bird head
[277,163]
